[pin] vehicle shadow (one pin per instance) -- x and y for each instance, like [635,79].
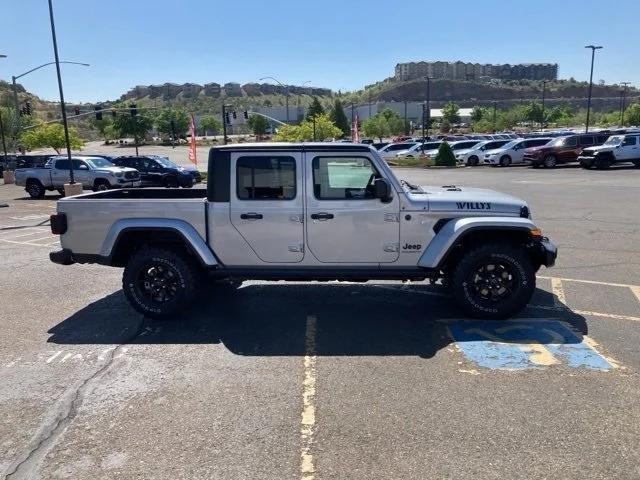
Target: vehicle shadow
[271,320]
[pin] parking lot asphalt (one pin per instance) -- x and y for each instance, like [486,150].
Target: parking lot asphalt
[308,381]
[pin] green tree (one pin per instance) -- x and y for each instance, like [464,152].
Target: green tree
[102,126]
[396,123]
[445,156]
[180,119]
[533,112]
[137,127]
[50,135]
[450,112]
[315,109]
[632,114]
[377,127]
[445,126]
[209,123]
[483,126]
[478,113]
[322,125]
[338,117]
[258,124]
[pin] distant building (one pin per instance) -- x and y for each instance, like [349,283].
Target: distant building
[232,89]
[475,71]
[212,89]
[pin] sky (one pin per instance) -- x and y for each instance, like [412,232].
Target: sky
[342,45]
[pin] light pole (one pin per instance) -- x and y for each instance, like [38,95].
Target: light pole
[593,54]
[622,102]
[286,91]
[544,86]
[428,104]
[494,116]
[4,145]
[16,104]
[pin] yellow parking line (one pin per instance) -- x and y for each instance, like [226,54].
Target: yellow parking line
[592,282]
[308,421]
[636,292]
[586,312]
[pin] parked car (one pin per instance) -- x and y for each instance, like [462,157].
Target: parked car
[390,150]
[563,149]
[512,152]
[94,173]
[379,145]
[367,141]
[484,245]
[471,156]
[156,171]
[418,149]
[401,139]
[617,149]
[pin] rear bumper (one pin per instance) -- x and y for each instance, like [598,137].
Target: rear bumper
[67,257]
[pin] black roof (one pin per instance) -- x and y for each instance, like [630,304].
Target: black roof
[295,147]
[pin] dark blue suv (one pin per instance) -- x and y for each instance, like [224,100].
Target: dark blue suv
[156,171]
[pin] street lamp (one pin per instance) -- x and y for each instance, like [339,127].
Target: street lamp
[544,86]
[622,102]
[286,91]
[428,107]
[593,54]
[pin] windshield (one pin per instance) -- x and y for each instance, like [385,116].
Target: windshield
[399,146]
[560,141]
[165,162]
[614,141]
[99,162]
[510,144]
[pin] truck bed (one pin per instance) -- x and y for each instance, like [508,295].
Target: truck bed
[145,193]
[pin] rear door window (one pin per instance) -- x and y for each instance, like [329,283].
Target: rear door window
[266,178]
[62,164]
[586,140]
[629,141]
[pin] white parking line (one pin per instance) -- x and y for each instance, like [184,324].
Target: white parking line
[9,235]
[308,421]
[593,282]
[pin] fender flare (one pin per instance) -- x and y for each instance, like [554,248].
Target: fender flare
[189,234]
[454,229]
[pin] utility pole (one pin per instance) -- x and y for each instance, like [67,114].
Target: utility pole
[494,116]
[424,108]
[369,104]
[224,123]
[542,122]
[428,104]
[593,54]
[406,125]
[622,102]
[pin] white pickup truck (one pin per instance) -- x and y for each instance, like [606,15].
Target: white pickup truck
[313,211]
[94,173]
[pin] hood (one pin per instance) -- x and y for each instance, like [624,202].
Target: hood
[599,148]
[464,151]
[495,151]
[462,200]
[115,169]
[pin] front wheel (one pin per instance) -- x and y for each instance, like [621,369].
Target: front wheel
[159,282]
[494,281]
[473,161]
[550,161]
[505,161]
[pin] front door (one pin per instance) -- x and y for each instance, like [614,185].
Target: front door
[345,222]
[267,204]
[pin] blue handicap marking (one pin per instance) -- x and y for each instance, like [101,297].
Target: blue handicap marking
[522,344]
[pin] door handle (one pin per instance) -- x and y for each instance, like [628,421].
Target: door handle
[251,216]
[321,216]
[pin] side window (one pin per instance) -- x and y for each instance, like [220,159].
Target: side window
[571,142]
[343,178]
[600,139]
[80,165]
[62,164]
[586,141]
[629,141]
[266,178]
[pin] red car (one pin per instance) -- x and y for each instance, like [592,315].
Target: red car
[562,149]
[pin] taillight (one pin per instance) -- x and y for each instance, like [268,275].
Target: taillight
[58,223]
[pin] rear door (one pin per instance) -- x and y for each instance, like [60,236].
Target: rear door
[568,152]
[628,150]
[267,203]
[81,172]
[60,173]
[344,222]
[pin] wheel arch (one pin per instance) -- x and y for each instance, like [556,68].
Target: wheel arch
[126,236]
[459,233]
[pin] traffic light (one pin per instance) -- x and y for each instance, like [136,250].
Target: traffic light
[76,110]
[227,119]
[133,110]
[98,111]
[27,108]
[246,115]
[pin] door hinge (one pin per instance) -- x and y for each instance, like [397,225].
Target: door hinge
[296,248]
[392,217]
[391,247]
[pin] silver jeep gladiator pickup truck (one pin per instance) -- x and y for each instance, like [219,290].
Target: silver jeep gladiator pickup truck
[306,211]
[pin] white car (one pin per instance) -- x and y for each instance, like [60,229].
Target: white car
[418,149]
[473,155]
[512,152]
[390,150]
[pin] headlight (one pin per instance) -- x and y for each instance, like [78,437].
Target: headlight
[119,174]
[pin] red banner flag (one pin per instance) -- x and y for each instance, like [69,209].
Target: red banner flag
[355,134]
[192,142]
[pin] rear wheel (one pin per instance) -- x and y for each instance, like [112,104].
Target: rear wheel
[550,161]
[171,182]
[505,161]
[473,161]
[160,282]
[35,189]
[494,281]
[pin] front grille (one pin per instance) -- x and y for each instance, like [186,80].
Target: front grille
[586,154]
[131,175]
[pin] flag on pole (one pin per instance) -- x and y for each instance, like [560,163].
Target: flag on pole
[192,142]
[355,134]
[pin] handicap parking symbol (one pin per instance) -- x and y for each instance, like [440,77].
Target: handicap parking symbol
[525,344]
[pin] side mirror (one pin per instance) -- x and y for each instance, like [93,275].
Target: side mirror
[83,167]
[383,190]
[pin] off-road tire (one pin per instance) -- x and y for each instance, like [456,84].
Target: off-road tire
[603,163]
[505,161]
[35,189]
[184,275]
[550,161]
[523,281]
[473,161]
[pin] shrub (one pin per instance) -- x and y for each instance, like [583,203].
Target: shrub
[445,156]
